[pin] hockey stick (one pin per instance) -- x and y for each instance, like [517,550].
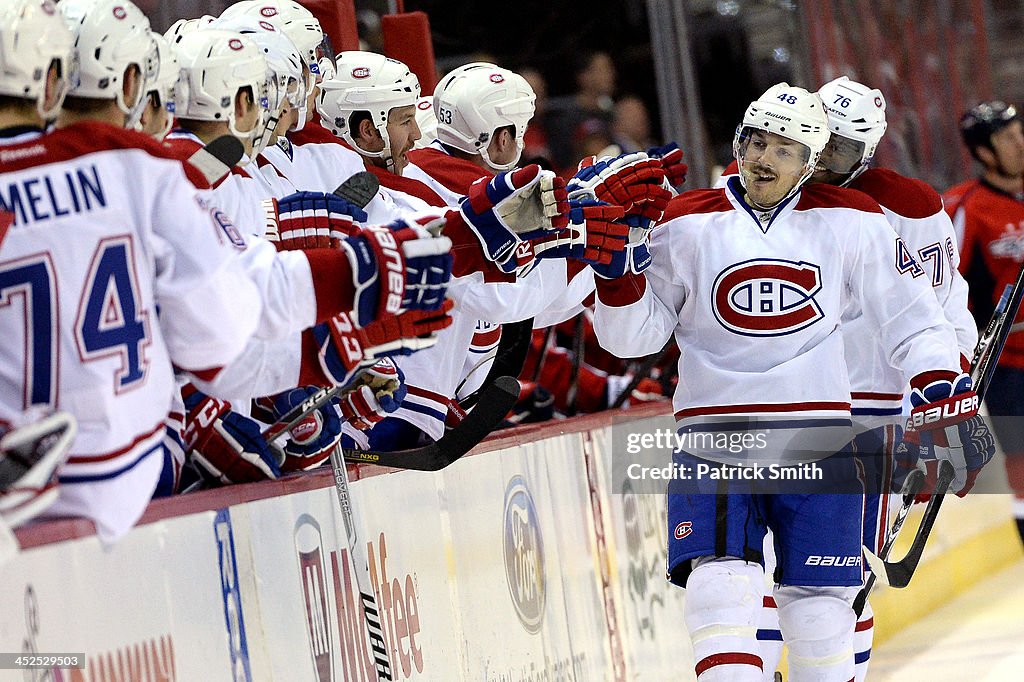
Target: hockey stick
[359,189]
[216,159]
[509,358]
[911,487]
[495,402]
[642,372]
[361,567]
[577,361]
[983,364]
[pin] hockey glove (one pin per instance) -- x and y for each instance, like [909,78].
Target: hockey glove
[945,420]
[671,158]
[522,200]
[344,348]
[223,445]
[310,220]
[428,261]
[633,181]
[309,442]
[397,268]
[634,258]
[592,235]
[378,392]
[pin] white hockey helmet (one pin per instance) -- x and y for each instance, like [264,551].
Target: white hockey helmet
[790,112]
[29,458]
[215,66]
[33,35]
[183,27]
[474,100]
[111,36]
[857,113]
[296,22]
[370,82]
[283,59]
[426,121]
[165,80]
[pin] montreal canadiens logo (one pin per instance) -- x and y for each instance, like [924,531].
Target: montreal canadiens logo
[361,72]
[120,13]
[497,78]
[683,529]
[766,297]
[268,11]
[235,44]
[424,105]
[267,26]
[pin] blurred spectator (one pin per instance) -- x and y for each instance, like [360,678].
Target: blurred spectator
[371,38]
[536,140]
[631,128]
[581,123]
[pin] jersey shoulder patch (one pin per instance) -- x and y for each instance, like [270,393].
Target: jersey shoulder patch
[903,196]
[820,195]
[697,201]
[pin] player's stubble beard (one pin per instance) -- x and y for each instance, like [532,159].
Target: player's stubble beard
[758,194]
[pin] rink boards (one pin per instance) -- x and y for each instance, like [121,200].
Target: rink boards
[521,562]
[516,563]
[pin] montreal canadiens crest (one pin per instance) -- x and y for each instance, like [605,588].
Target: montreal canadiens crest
[767,297]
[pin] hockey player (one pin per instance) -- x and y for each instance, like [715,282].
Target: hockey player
[495,119]
[119,387]
[303,29]
[988,215]
[856,119]
[158,114]
[486,110]
[220,70]
[752,280]
[108,359]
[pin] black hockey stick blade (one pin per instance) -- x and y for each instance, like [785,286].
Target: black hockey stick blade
[913,484]
[900,572]
[216,159]
[509,358]
[495,402]
[359,189]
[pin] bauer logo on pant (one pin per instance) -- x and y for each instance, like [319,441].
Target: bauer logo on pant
[767,297]
[524,555]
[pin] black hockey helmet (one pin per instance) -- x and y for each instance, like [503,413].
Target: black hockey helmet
[979,124]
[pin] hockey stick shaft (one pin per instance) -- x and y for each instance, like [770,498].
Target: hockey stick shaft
[361,568]
[983,364]
[911,487]
[642,373]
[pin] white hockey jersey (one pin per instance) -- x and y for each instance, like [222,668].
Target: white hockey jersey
[107,281]
[755,303]
[915,212]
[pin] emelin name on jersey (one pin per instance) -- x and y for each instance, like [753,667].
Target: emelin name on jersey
[50,196]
